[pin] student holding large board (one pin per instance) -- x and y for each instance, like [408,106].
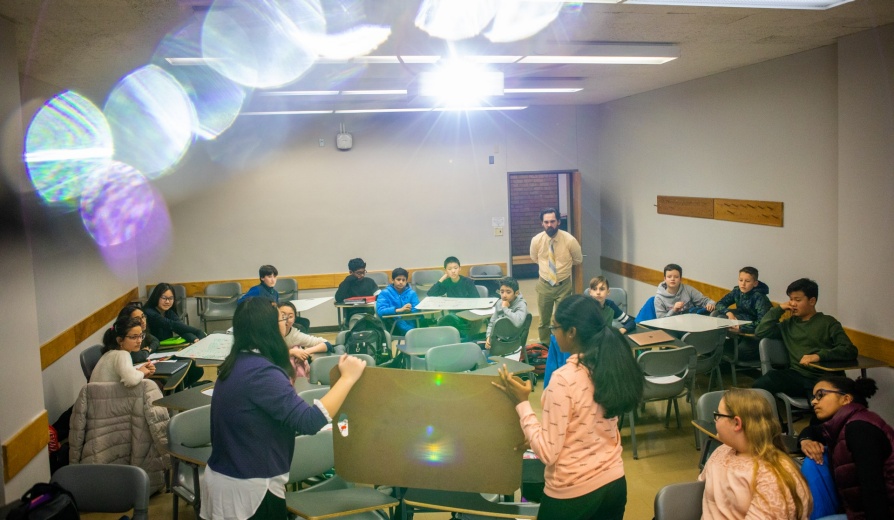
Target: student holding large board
[578,439]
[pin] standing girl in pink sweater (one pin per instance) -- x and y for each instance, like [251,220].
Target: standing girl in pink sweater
[578,440]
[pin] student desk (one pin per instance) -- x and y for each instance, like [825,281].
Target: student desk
[691,323]
[194,398]
[470,503]
[674,343]
[443,303]
[861,364]
[340,308]
[319,505]
[171,382]
[495,362]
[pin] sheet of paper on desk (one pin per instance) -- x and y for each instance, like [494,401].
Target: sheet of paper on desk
[208,391]
[309,303]
[160,355]
[214,346]
[483,312]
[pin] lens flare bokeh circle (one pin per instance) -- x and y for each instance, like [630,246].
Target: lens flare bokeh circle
[152,119]
[67,141]
[116,204]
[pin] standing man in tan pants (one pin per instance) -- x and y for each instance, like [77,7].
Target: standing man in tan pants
[555,252]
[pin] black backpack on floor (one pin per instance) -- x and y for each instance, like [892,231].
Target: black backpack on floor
[46,502]
[367,336]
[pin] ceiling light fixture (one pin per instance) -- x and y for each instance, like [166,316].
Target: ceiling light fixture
[300,93]
[541,90]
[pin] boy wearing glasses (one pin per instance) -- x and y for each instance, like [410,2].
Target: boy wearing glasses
[267,274]
[355,284]
[809,337]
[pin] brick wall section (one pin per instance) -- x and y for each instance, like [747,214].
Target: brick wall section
[528,195]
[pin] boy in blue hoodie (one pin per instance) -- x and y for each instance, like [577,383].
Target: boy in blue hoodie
[750,299]
[398,298]
[265,289]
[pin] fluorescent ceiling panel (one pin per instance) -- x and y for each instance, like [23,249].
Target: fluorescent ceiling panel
[286,113]
[419,59]
[301,93]
[383,92]
[541,90]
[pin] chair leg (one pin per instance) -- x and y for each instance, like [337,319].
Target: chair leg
[788,418]
[732,370]
[633,435]
[667,414]
[677,413]
[176,509]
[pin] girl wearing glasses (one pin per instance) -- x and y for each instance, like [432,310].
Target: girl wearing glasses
[859,442]
[750,475]
[115,365]
[163,319]
[578,438]
[301,346]
[150,343]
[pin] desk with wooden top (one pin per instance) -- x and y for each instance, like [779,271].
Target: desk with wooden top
[861,363]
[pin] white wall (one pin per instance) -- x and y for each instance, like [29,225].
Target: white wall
[764,132]
[415,189]
[866,191]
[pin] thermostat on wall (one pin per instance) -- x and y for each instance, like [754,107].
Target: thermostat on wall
[343,140]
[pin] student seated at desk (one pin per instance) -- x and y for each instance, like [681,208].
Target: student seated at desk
[512,305]
[255,415]
[115,365]
[265,289]
[301,346]
[751,301]
[750,475]
[674,297]
[860,445]
[453,284]
[163,319]
[578,439]
[609,311]
[809,337]
[398,298]
[150,343]
[355,284]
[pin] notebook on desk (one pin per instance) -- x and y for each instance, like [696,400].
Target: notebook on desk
[166,368]
[651,338]
[359,300]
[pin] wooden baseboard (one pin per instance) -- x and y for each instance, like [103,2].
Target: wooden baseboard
[24,445]
[869,345]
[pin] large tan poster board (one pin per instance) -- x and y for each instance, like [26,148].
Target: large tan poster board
[433,430]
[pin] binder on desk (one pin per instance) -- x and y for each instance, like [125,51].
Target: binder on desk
[166,368]
[360,300]
[651,338]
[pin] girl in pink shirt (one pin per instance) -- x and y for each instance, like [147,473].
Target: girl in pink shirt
[578,440]
[750,476]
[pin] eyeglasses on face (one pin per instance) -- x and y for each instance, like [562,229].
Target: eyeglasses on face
[136,337]
[718,415]
[818,396]
[360,272]
[167,298]
[286,317]
[552,328]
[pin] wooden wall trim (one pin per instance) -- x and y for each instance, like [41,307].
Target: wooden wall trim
[24,445]
[311,281]
[869,344]
[53,350]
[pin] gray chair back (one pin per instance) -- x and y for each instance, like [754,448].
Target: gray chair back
[506,338]
[189,433]
[619,296]
[322,365]
[313,393]
[709,346]
[773,354]
[380,278]
[423,280]
[106,488]
[220,309]
[482,291]
[89,358]
[180,302]
[485,271]
[677,363]
[287,288]
[459,357]
[420,340]
[314,455]
[680,501]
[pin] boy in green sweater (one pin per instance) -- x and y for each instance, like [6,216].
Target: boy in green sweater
[809,336]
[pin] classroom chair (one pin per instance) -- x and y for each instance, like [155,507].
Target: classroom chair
[106,488]
[482,291]
[680,501]
[459,357]
[774,355]
[423,279]
[506,338]
[380,278]
[709,346]
[619,296]
[647,312]
[219,309]
[707,404]
[89,358]
[287,289]
[313,393]
[486,271]
[189,444]
[669,375]
[331,497]
[419,341]
[322,365]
